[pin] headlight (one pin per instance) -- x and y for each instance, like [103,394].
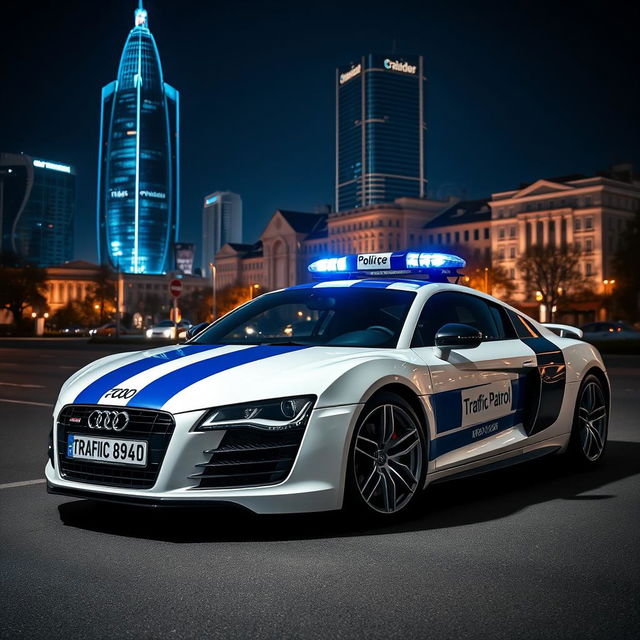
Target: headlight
[149,333]
[269,415]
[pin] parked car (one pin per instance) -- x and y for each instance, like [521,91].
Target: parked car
[609,331]
[108,329]
[166,329]
[75,330]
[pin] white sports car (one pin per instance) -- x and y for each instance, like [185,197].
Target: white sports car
[358,390]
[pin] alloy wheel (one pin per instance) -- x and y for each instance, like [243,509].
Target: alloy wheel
[388,458]
[592,421]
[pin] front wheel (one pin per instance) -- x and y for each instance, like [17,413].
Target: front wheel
[590,424]
[387,461]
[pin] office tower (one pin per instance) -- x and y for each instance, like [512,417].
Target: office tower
[37,209]
[221,223]
[380,131]
[138,166]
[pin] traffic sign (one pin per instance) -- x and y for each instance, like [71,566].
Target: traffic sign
[175,287]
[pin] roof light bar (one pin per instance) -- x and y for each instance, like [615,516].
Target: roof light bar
[396,263]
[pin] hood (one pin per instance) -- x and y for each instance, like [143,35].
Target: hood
[190,377]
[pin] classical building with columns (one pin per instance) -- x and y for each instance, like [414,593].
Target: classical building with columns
[588,212]
[147,294]
[70,281]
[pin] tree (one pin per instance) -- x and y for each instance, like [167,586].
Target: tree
[21,286]
[196,305]
[102,294]
[76,312]
[551,273]
[230,297]
[481,275]
[626,267]
[492,280]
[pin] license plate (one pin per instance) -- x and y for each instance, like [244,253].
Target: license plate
[132,452]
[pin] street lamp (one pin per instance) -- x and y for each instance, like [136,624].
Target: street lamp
[213,286]
[542,311]
[607,286]
[253,289]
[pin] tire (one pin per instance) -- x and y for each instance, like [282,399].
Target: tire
[387,460]
[590,427]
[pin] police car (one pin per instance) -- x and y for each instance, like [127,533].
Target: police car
[358,389]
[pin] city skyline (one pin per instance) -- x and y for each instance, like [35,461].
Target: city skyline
[501,109]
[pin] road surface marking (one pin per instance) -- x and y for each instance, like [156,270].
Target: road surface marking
[26,386]
[24,483]
[35,404]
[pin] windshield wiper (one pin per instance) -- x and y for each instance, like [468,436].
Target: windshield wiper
[288,343]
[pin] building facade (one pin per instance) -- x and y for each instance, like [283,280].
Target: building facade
[588,213]
[491,234]
[293,239]
[146,294]
[221,223]
[138,165]
[380,131]
[37,209]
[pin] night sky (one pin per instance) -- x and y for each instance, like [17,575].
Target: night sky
[516,91]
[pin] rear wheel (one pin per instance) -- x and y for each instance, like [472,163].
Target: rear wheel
[387,461]
[590,424]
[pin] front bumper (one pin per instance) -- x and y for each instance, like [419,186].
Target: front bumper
[315,483]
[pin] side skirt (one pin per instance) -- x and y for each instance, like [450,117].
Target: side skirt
[500,464]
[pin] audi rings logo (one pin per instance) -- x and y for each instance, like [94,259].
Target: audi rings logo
[108,420]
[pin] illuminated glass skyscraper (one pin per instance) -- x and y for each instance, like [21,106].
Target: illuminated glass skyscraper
[138,184]
[380,131]
[37,209]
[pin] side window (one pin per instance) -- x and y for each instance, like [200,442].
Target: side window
[505,328]
[462,308]
[523,328]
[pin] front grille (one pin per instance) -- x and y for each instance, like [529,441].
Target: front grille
[155,427]
[248,457]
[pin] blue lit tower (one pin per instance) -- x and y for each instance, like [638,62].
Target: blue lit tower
[380,130]
[138,165]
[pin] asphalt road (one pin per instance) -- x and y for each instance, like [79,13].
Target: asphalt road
[535,551]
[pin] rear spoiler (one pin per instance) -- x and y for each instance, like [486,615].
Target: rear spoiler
[564,330]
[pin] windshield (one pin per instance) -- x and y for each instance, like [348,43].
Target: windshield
[332,316]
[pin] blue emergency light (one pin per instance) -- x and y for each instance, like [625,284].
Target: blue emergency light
[438,266]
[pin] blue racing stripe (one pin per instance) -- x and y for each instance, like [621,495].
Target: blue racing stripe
[452,441]
[95,391]
[156,394]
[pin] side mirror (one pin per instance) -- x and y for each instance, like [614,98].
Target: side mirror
[458,336]
[195,329]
